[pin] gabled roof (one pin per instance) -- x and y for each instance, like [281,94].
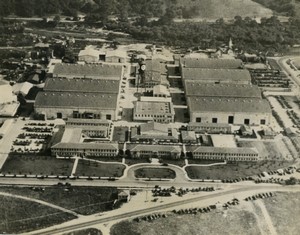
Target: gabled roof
[49,99]
[161,90]
[200,74]
[88,70]
[89,51]
[188,135]
[22,88]
[154,126]
[222,90]
[211,63]
[221,104]
[81,146]
[116,53]
[82,85]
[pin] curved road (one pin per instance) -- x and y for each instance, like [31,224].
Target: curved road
[140,212]
[40,202]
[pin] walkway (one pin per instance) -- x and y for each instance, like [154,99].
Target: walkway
[75,166]
[40,202]
[266,217]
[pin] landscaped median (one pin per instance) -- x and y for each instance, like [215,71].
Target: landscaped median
[233,170]
[155,173]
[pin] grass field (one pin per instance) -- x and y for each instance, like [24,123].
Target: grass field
[284,210]
[18,216]
[267,149]
[120,134]
[233,171]
[45,165]
[147,172]
[90,168]
[88,231]
[204,162]
[83,200]
[230,222]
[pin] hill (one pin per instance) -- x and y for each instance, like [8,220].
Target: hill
[214,9]
[210,9]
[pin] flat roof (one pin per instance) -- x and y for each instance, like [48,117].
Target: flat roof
[82,85]
[88,70]
[237,105]
[200,74]
[71,135]
[153,107]
[221,90]
[211,63]
[76,100]
[227,141]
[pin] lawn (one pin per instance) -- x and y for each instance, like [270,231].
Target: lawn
[83,200]
[105,159]
[91,168]
[179,162]
[230,222]
[284,211]
[44,165]
[234,171]
[88,231]
[131,161]
[267,149]
[19,216]
[181,115]
[120,134]
[155,172]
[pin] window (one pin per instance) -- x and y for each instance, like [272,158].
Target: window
[215,120]
[230,119]
[108,117]
[198,119]
[262,122]
[246,121]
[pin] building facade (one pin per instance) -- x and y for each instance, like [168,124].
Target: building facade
[223,154]
[155,151]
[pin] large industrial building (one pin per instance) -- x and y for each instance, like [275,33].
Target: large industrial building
[229,110]
[221,90]
[76,104]
[95,71]
[217,76]
[81,91]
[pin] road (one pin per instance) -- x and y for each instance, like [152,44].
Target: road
[67,228]
[282,63]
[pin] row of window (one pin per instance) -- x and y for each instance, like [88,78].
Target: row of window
[227,154]
[231,120]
